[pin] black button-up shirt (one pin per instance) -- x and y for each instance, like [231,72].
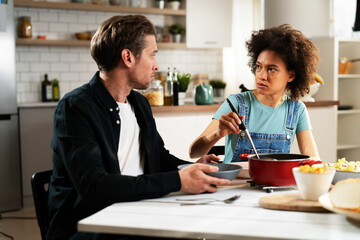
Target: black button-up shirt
[86,174]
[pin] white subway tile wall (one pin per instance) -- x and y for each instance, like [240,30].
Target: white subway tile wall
[74,66]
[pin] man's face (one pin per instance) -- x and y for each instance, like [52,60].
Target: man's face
[145,66]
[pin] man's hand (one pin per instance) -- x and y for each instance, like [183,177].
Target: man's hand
[212,158]
[194,180]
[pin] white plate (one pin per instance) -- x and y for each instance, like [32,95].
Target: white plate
[326,203]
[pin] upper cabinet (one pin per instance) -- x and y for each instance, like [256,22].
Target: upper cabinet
[208,23]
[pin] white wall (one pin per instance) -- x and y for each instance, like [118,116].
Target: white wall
[311,17]
[344,17]
[246,18]
[73,66]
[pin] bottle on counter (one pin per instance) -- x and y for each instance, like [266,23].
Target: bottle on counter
[46,90]
[169,97]
[175,88]
[25,27]
[55,90]
[155,93]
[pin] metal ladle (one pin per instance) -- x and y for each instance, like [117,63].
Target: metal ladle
[243,127]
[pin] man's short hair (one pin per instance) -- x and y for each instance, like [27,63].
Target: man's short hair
[116,34]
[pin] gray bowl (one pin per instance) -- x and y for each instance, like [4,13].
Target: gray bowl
[228,171]
[341,175]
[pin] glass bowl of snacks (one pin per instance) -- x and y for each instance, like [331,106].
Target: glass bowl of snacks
[313,181]
[345,169]
[154,94]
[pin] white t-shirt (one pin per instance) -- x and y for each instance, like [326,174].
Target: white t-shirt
[131,161]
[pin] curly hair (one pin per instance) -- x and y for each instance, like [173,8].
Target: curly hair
[295,49]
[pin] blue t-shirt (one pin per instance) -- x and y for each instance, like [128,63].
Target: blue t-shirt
[263,119]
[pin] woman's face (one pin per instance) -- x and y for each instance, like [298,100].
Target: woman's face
[271,74]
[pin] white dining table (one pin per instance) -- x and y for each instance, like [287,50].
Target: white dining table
[242,219]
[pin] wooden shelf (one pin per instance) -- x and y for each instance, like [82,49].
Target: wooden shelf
[191,108]
[95,7]
[349,40]
[85,43]
[351,111]
[349,76]
[170,45]
[347,146]
[322,103]
[46,42]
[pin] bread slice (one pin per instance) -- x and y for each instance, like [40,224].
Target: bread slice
[346,194]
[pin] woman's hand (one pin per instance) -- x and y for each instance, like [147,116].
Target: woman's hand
[229,123]
[212,158]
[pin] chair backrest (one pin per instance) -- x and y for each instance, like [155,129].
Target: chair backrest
[40,189]
[217,150]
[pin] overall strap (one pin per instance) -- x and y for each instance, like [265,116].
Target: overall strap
[242,108]
[291,118]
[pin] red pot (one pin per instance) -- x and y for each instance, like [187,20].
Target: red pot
[275,169]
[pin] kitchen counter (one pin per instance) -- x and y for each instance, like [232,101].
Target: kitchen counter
[180,109]
[37,105]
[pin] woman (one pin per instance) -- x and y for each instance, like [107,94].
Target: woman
[281,58]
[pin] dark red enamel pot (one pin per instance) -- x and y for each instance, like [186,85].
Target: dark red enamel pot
[275,169]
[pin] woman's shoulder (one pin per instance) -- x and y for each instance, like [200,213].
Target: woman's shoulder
[246,96]
[300,103]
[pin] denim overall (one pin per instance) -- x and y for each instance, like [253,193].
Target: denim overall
[265,142]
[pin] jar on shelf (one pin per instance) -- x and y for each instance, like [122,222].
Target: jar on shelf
[25,27]
[155,93]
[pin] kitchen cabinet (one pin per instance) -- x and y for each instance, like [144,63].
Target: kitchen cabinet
[180,128]
[208,23]
[323,119]
[342,87]
[36,130]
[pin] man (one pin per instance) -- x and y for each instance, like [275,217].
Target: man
[106,148]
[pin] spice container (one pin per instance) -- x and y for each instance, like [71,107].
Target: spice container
[155,93]
[25,27]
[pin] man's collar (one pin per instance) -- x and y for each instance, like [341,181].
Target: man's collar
[99,89]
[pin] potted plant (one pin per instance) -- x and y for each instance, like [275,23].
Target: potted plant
[218,87]
[176,30]
[184,80]
[173,4]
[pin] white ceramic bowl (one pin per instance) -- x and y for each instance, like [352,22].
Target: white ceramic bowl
[313,185]
[314,88]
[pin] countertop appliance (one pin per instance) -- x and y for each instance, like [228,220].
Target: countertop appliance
[10,175]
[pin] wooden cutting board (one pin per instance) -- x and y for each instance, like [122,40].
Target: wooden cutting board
[290,202]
